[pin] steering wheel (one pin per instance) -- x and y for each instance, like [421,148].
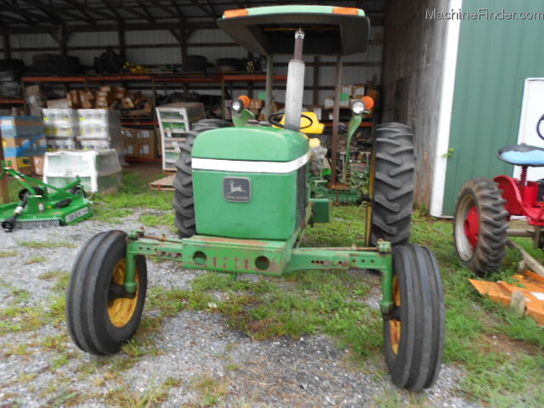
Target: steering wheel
[539,133]
[275,118]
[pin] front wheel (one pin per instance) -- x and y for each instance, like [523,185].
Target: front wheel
[414,329]
[101,315]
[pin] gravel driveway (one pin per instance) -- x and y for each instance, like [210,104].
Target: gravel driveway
[194,359]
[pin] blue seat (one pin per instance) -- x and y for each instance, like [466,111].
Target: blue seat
[522,155]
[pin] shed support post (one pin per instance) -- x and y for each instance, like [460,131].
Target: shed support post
[315,100]
[269,83]
[122,43]
[335,119]
[7,46]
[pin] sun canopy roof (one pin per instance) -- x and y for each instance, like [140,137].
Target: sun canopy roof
[270,30]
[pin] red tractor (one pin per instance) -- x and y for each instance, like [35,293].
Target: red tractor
[485,206]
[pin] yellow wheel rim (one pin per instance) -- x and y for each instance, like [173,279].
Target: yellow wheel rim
[395,325]
[121,310]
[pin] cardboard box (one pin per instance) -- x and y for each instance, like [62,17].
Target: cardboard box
[73,99]
[58,103]
[35,99]
[347,89]
[21,164]
[147,150]
[140,143]
[359,91]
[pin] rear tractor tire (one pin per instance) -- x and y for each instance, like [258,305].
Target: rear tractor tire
[394,183]
[101,318]
[183,183]
[414,329]
[480,226]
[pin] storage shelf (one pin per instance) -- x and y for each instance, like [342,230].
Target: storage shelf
[364,123]
[128,123]
[15,101]
[214,78]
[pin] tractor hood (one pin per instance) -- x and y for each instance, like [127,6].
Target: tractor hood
[251,143]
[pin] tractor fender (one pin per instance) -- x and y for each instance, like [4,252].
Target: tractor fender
[511,193]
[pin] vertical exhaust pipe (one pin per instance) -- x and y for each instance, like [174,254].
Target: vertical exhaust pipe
[294,91]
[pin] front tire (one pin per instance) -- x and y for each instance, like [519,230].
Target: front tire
[394,184]
[414,329]
[480,226]
[100,318]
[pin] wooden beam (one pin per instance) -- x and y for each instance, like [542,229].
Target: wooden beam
[79,28]
[150,17]
[82,10]
[204,9]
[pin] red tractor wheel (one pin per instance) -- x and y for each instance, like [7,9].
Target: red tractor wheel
[480,226]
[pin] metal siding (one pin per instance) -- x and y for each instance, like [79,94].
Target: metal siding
[494,59]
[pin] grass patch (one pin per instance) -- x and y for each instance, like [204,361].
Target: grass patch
[125,397]
[211,390]
[35,259]
[135,193]
[6,254]
[53,275]
[152,220]
[20,316]
[311,303]
[110,215]
[46,244]
[347,227]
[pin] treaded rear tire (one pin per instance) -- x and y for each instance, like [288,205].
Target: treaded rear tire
[393,184]
[415,361]
[183,183]
[488,255]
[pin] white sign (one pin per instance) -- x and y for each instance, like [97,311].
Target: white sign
[532,110]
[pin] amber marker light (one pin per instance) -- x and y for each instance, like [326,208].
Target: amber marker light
[235,13]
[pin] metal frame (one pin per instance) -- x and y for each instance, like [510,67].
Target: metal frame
[260,257]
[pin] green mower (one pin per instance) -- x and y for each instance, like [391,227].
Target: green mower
[41,205]
[242,203]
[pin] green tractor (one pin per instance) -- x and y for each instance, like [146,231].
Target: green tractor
[242,204]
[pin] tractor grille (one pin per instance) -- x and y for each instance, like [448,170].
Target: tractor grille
[302,196]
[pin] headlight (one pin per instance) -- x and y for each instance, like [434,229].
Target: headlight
[237,105]
[358,107]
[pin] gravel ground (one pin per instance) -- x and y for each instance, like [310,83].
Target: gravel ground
[195,360]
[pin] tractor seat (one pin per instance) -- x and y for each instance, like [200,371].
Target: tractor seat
[522,155]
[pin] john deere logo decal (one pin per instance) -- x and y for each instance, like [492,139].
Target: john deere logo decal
[237,189]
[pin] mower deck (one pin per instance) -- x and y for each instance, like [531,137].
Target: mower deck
[78,210]
[42,205]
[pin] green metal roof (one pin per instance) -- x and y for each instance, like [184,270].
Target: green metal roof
[329,30]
